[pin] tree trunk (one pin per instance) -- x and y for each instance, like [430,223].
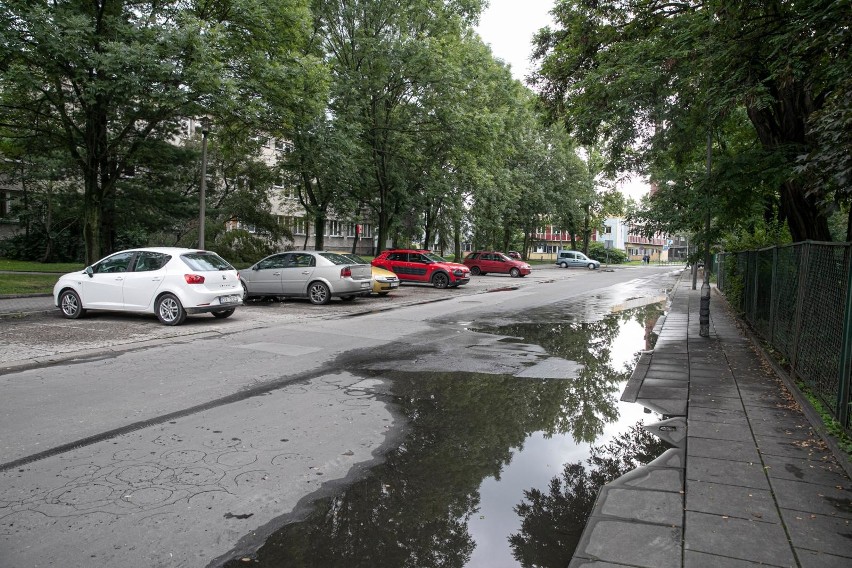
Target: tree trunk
[457,239]
[782,127]
[319,231]
[91,227]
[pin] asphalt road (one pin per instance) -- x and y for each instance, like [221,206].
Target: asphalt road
[127,443]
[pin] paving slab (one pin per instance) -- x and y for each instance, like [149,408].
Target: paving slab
[755,541]
[718,402]
[719,415]
[694,559]
[634,544]
[818,533]
[823,472]
[736,432]
[744,474]
[723,449]
[810,559]
[812,498]
[729,500]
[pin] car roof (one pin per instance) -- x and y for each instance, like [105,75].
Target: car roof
[165,250]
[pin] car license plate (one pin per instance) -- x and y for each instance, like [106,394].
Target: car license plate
[233,299]
[365,284]
[394,284]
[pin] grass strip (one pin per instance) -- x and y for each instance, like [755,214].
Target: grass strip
[27,283]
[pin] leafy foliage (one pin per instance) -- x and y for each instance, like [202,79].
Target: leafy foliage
[103,81]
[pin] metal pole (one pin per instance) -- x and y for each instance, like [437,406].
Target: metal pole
[205,128]
[845,373]
[704,311]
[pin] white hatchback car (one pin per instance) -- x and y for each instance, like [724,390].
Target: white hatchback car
[169,282]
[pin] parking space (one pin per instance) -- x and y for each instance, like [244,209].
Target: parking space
[33,332]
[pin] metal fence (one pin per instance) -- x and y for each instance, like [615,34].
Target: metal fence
[798,298]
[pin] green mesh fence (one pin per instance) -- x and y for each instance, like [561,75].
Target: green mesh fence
[796,297]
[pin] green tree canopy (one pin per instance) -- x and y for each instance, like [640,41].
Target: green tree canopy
[644,76]
[103,79]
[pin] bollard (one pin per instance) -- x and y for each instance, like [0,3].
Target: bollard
[704,311]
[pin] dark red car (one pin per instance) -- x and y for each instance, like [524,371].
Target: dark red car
[423,266]
[483,262]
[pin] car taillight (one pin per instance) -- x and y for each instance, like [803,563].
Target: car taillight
[193,278]
[346,272]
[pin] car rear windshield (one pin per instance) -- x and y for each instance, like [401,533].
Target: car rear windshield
[205,261]
[434,257]
[356,258]
[338,258]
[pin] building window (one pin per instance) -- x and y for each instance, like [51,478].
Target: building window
[5,203]
[284,146]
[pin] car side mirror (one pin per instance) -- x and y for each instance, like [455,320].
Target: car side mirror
[255,267]
[89,271]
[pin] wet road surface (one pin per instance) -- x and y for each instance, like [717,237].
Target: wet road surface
[427,435]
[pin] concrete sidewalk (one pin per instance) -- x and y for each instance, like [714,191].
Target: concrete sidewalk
[748,482]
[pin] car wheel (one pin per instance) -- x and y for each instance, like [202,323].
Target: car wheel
[440,280]
[224,313]
[474,270]
[563,265]
[591,266]
[318,293]
[169,310]
[70,304]
[347,298]
[514,273]
[245,291]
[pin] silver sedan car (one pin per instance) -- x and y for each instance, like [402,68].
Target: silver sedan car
[315,275]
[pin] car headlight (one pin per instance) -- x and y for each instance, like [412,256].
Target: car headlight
[458,272]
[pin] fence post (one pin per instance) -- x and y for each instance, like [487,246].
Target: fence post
[772,291]
[804,265]
[845,370]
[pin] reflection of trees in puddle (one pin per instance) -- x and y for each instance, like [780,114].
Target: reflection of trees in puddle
[552,522]
[412,509]
[589,400]
[461,428]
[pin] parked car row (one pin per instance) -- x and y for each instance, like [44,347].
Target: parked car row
[172,282]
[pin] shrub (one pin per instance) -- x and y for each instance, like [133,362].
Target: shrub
[600,253]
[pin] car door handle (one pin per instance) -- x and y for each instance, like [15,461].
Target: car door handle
[276,274]
[156,279]
[306,272]
[119,278]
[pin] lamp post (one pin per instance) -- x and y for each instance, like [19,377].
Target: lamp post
[704,309]
[205,129]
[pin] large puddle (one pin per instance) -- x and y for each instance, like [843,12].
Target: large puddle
[492,469]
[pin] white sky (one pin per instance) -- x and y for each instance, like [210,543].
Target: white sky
[508,27]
